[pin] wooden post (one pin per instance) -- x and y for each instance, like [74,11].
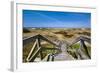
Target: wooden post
[35,55]
[48,58]
[39,45]
[52,57]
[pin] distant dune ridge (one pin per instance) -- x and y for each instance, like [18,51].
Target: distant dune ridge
[58,33]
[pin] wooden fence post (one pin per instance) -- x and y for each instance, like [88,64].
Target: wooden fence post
[48,58]
[39,45]
[52,57]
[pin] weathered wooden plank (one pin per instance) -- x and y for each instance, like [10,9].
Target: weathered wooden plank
[44,38]
[81,38]
[85,47]
[82,51]
[81,55]
[34,55]
[64,55]
[29,39]
[34,45]
[39,45]
[86,39]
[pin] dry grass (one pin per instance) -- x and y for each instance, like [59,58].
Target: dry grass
[59,33]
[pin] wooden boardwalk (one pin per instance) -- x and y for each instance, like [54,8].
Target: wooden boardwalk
[61,45]
[64,54]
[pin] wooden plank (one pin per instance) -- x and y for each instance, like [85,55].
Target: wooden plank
[75,41]
[44,38]
[34,55]
[81,38]
[39,45]
[81,52]
[29,39]
[64,55]
[86,39]
[31,50]
[85,47]
[37,51]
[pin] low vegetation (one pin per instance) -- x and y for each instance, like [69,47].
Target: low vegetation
[66,34]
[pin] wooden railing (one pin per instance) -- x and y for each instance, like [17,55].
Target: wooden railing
[80,53]
[50,57]
[37,44]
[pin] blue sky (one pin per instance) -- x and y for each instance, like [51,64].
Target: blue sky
[53,19]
